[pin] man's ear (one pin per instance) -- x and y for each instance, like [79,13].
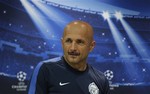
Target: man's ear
[62,41]
[92,45]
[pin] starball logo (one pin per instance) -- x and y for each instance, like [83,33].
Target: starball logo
[20,86]
[109,74]
[21,76]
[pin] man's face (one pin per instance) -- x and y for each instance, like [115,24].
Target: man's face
[76,45]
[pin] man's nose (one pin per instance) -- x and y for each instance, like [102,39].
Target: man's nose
[73,46]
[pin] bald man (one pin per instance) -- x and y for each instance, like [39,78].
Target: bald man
[71,74]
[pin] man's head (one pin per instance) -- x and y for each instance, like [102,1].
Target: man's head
[77,42]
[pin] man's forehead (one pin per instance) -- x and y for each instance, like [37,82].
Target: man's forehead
[76,27]
[74,37]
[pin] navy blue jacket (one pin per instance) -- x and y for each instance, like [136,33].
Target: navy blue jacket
[59,78]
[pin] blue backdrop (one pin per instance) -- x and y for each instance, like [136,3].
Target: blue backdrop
[30,32]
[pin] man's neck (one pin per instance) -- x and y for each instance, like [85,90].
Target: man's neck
[78,66]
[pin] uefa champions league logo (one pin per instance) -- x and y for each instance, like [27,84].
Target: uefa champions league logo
[21,86]
[110,75]
[21,76]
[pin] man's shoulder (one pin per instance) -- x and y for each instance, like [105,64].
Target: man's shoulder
[96,71]
[53,60]
[50,62]
[98,76]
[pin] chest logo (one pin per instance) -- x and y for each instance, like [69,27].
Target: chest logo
[93,89]
[62,84]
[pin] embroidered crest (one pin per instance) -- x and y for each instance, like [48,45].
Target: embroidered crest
[93,89]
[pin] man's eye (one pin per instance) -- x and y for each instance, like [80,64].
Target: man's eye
[80,42]
[68,41]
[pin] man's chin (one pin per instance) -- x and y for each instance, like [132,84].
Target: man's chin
[73,60]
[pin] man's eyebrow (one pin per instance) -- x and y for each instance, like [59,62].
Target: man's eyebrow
[80,40]
[68,38]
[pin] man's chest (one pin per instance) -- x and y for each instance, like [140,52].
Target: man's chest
[64,82]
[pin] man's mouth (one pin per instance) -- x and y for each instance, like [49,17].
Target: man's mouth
[74,53]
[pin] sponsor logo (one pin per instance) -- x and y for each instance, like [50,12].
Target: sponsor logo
[62,84]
